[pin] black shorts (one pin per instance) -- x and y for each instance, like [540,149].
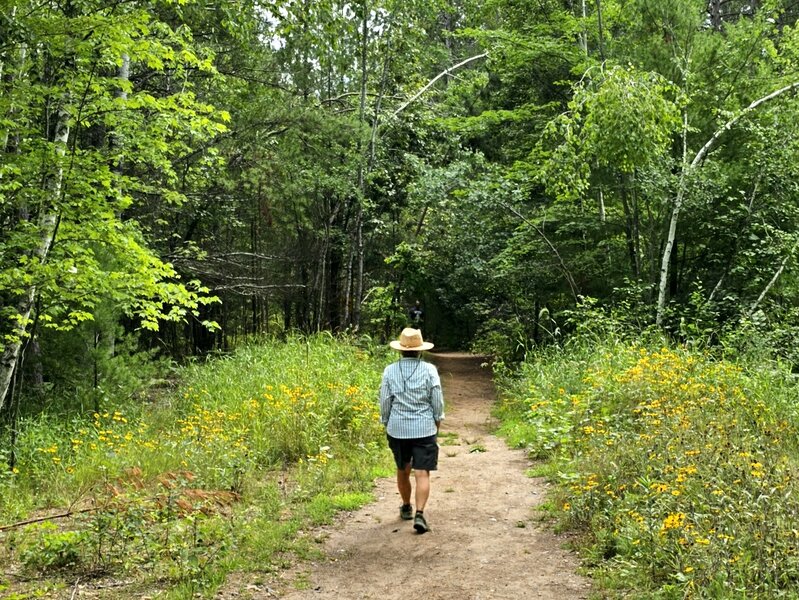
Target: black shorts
[420,453]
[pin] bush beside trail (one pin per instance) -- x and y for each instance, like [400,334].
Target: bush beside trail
[221,474]
[680,471]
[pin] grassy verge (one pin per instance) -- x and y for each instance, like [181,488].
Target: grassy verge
[680,471]
[223,475]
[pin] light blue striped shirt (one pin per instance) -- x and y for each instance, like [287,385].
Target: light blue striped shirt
[411,401]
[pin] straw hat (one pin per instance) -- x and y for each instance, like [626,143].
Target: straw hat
[411,340]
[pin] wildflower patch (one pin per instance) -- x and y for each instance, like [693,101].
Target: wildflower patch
[682,468]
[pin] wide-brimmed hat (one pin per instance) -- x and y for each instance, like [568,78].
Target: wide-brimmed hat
[411,340]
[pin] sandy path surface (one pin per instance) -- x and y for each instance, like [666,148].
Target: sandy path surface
[485,542]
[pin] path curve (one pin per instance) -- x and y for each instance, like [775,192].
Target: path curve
[485,543]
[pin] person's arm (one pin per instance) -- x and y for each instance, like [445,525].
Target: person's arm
[385,400]
[436,398]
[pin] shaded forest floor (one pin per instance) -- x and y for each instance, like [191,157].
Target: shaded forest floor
[486,541]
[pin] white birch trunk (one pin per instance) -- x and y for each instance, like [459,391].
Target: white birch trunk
[771,283]
[47,229]
[686,171]
[584,34]
[23,53]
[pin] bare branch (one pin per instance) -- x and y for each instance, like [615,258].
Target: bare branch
[564,269]
[436,78]
[773,280]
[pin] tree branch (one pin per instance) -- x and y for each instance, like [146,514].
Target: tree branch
[728,125]
[436,78]
[771,283]
[566,273]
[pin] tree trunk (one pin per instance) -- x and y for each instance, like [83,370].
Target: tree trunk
[687,169]
[583,35]
[631,227]
[601,30]
[123,73]
[48,220]
[771,283]
[714,14]
[359,247]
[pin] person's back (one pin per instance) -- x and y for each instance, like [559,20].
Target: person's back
[410,382]
[411,408]
[415,315]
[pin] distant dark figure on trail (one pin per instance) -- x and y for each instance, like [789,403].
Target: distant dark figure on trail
[411,408]
[415,315]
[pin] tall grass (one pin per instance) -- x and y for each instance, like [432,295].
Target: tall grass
[218,475]
[681,471]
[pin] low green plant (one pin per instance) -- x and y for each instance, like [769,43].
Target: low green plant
[221,475]
[47,547]
[680,468]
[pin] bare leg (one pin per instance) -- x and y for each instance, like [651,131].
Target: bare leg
[404,483]
[422,488]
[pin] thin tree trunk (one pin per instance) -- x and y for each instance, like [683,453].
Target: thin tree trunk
[321,278]
[771,283]
[631,229]
[584,32]
[48,220]
[359,246]
[123,74]
[672,233]
[601,30]
[358,293]
[348,288]
[688,169]
[23,53]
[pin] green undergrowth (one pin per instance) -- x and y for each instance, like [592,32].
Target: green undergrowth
[225,474]
[678,471]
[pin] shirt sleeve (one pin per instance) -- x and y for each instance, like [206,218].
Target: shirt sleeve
[436,395]
[385,399]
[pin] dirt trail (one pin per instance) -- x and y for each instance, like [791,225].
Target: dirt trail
[485,543]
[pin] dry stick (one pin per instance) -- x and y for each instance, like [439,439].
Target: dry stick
[75,589]
[436,78]
[51,517]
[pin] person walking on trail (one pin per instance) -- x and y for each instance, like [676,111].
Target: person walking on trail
[411,408]
[415,315]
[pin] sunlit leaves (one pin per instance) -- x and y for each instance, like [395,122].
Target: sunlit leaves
[624,118]
[127,133]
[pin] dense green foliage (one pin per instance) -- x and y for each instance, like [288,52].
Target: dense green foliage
[177,176]
[216,475]
[679,468]
[320,166]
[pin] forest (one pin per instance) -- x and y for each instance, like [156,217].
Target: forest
[181,179]
[177,176]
